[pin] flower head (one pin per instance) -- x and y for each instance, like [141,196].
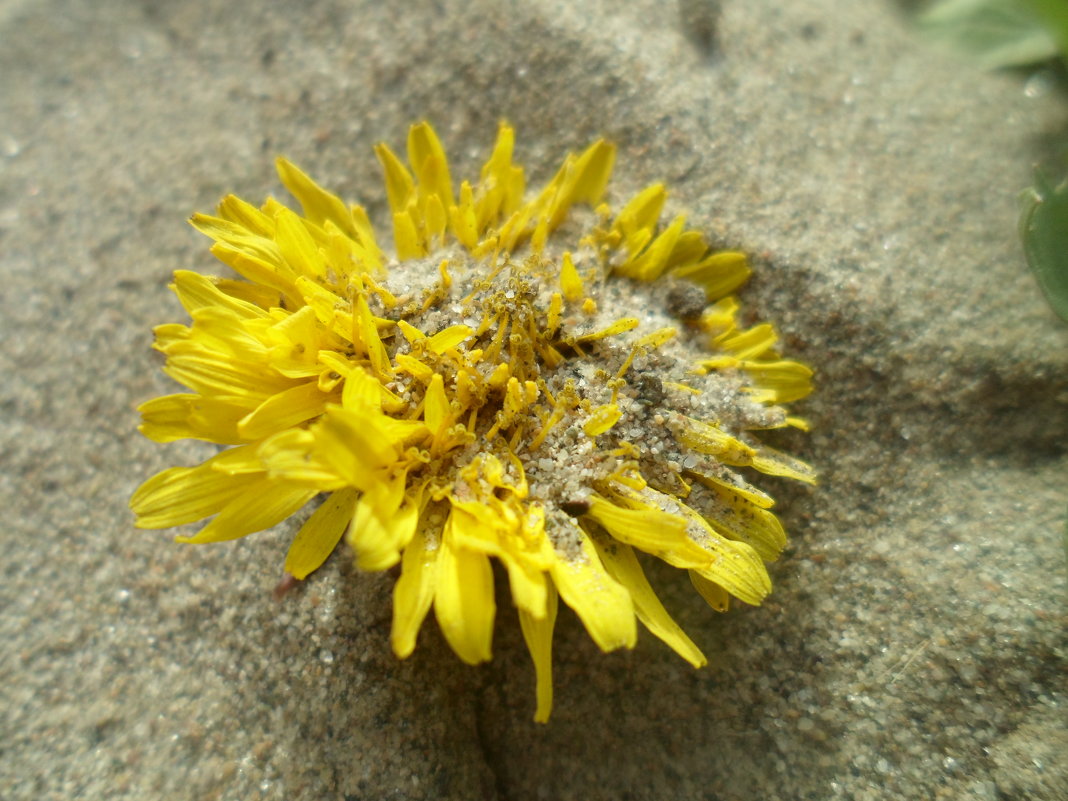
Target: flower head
[536,380]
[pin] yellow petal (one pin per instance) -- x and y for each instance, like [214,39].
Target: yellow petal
[500,159]
[740,519]
[476,526]
[621,563]
[654,522]
[196,291]
[463,602]
[719,274]
[775,463]
[258,295]
[689,249]
[501,376]
[182,495]
[529,585]
[651,262]
[449,338]
[406,237]
[618,327]
[435,219]
[247,216]
[277,276]
[291,456]
[411,333]
[320,534]
[298,247]
[261,504]
[468,388]
[556,304]
[750,343]
[538,634]
[602,604]
[731,482]
[365,334]
[284,410]
[437,412]
[354,445]
[240,238]
[657,338]
[570,282]
[318,204]
[649,529]
[376,535]
[501,185]
[736,566]
[593,169]
[711,439]
[414,367]
[518,397]
[464,219]
[427,159]
[717,597]
[406,519]
[399,183]
[239,461]
[480,528]
[297,339]
[789,380]
[739,570]
[602,419]
[414,592]
[366,236]
[361,392]
[333,312]
[637,219]
[185,415]
[210,373]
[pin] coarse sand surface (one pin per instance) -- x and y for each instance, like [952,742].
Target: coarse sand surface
[914,646]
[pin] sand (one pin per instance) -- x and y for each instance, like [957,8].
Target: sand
[915,643]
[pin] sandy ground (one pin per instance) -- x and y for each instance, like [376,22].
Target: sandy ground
[915,645]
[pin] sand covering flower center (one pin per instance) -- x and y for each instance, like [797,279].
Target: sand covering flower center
[538,381]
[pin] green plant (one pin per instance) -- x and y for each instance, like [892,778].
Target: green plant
[1044,231]
[1000,33]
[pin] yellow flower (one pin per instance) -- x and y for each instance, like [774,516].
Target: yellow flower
[476,394]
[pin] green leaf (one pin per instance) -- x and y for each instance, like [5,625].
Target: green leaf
[1044,230]
[995,33]
[1054,15]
